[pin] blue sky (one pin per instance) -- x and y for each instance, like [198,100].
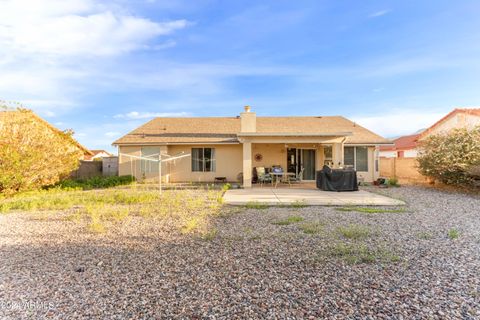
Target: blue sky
[103,68]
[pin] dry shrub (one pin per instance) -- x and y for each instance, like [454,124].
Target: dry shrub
[32,153]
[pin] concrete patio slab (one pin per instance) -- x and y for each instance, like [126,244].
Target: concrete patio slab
[311,197]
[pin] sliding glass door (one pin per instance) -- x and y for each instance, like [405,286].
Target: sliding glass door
[308,161]
[298,159]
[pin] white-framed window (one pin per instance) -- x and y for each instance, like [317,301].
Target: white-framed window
[203,160]
[327,155]
[356,157]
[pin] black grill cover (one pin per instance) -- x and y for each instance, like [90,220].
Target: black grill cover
[337,179]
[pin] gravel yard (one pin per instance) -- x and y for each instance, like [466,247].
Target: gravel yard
[422,261]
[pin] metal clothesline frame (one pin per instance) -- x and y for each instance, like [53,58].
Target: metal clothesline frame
[159,160]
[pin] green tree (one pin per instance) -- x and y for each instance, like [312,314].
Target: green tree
[452,157]
[33,153]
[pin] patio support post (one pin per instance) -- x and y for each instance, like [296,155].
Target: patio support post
[247,164]
[337,155]
[376,163]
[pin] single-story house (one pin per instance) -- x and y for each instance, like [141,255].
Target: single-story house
[399,160]
[231,147]
[97,155]
[407,146]
[403,147]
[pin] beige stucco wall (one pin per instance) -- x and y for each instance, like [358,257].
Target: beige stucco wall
[132,166]
[229,161]
[276,154]
[272,154]
[127,165]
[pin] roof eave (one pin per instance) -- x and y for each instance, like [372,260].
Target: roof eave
[136,143]
[369,144]
[293,134]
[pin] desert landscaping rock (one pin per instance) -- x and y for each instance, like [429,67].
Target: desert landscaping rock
[252,268]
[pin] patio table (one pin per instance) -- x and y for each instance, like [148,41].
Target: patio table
[279,175]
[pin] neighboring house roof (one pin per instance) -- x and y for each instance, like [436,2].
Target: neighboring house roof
[96,153]
[226,129]
[10,113]
[402,143]
[471,111]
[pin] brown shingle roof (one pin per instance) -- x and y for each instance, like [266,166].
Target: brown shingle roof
[225,130]
[95,152]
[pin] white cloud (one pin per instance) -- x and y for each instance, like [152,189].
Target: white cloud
[101,136]
[398,122]
[112,134]
[134,115]
[379,13]
[78,27]
[54,51]
[165,45]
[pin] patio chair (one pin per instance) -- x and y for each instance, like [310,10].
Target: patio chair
[263,177]
[297,178]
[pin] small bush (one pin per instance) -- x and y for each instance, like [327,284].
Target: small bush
[393,182]
[297,204]
[96,226]
[354,231]
[289,220]
[95,182]
[360,253]
[210,235]
[311,227]
[220,200]
[226,186]
[256,205]
[369,210]
[425,235]
[190,225]
[453,234]
[354,253]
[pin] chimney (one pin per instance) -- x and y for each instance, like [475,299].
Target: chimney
[248,121]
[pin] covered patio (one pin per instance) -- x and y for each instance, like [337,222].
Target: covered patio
[307,195]
[299,155]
